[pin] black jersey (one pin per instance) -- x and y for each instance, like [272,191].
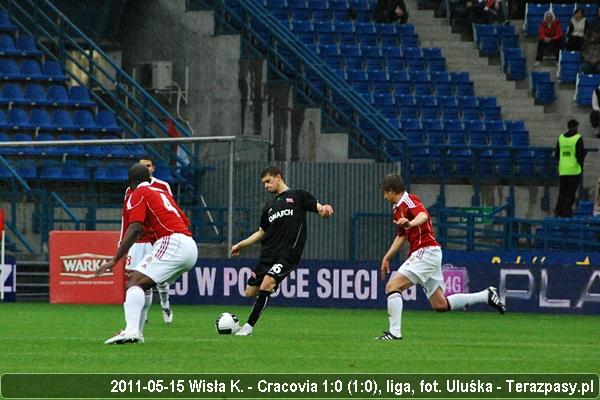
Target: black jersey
[284,222]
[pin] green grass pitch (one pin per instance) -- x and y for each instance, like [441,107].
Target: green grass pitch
[69,338]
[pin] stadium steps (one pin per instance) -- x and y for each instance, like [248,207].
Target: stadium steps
[544,123]
[32,281]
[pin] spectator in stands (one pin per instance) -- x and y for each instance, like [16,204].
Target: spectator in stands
[492,12]
[570,153]
[590,53]
[595,21]
[577,31]
[388,11]
[550,35]
[595,113]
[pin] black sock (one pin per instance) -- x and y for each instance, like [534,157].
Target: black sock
[259,305]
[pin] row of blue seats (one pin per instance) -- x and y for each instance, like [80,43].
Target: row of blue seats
[94,151]
[454,125]
[352,38]
[514,63]
[372,51]
[542,87]
[491,38]
[584,88]
[319,14]
[360,28]
[24,46]
[359,5]
[60,120]
[6,24]
[72,170]
[30,70]
[479,138]
[36,95]
[436,112]
[569,65]
[534,14]
[464,164]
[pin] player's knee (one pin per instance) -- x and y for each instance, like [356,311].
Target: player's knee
[251,291]
[268,283]
[394,286]
[439,305]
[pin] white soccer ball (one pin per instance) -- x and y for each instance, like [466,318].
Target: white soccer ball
[227,324]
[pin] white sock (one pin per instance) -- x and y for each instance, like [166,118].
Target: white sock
[163,292]
[461,300]
[134,303]
[144,315]
[394,306]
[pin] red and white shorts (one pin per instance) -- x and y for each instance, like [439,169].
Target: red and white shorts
[169,257]
[424,267]
[136,254]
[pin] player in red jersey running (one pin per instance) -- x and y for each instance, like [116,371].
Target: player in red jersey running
[173,253]
[424,263]
[144,245]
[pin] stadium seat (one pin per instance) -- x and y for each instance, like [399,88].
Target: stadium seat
[164,173]
[57,96]
[84,121]
[9,70]
[27,169]
[31,71]
[74,171]
[62,120]
[12,94]
[107,122]
[3,121]
[80,97]
[35,95]
[584,88]
[40,119]
[27,47]
[53,71]
[51,171]
[534,14]
[569,65]
[5,23]
[18,119]
[7,46]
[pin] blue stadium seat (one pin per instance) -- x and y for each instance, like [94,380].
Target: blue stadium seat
[30,69]
[491,113]
[107,121]
[569,65]
[74,151]
[359,75]
[54,72]
[84,120]
[115,151]
[80,96]
[534,14]
[48,150]
[94,151]
[347,39]
[5,23]
[74,171]
[423,88]
[36,95]
[101,174]
[444,88]
[27,169]
[18,119]
[51,170]
[57,96]
[40,119]
[7,46]
[584,88]
[563,13]
[350,51]
[164,173]
[300,14]
[370,51]
[23,150]
[302,26]
[63,121]
[9,70]
[323,26]
[409,112]
[323,38]
[12,94]
[27,47]
[364,27]
[296,3]
[588,8]
[280,13]
[343,26]
[322,14]
[391,40]
[369,39]
[3,121]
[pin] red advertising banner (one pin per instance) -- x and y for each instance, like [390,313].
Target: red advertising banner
[1,219]
[75,256]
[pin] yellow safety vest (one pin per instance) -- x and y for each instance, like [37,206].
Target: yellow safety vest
[567,161]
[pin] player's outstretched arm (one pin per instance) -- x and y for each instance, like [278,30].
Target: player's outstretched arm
[249,241]
[324,210]
[134,231]
[392,251]
[420,219]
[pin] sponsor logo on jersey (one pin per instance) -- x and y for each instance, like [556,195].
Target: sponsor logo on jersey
[289,200]
[83,265]
[283,213]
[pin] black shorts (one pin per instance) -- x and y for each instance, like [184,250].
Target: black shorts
[279,270]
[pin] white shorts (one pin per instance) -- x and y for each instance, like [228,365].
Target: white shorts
[136,254]
[424,267]
[169,257]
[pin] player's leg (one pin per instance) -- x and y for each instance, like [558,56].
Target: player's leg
[393,289]
[135,257]
[276,273]
[163,293]
[462,301]
[134,303]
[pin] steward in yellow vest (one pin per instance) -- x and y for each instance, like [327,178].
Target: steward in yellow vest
[570,153]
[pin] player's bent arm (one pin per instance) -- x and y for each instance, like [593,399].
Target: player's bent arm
[324,210]
[133,233]
[420,219]
[249,241]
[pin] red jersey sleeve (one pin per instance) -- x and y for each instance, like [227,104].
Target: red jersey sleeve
[416,207]
[137,207]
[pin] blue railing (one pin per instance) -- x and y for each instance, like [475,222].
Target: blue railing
[137,111]
[368,129]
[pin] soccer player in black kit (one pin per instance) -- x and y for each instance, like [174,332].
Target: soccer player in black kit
[282,233]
